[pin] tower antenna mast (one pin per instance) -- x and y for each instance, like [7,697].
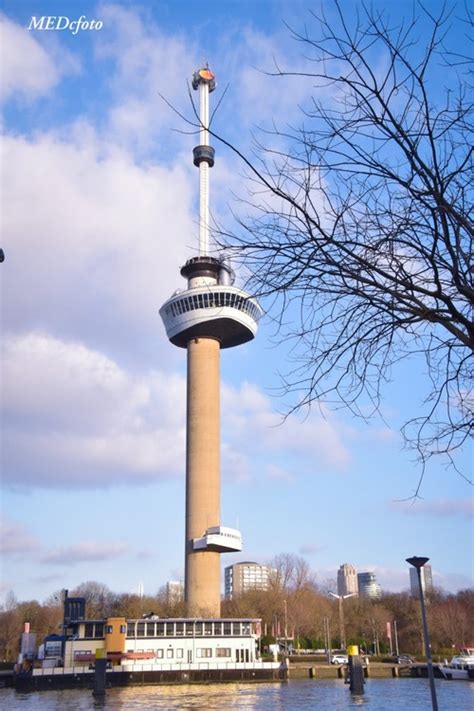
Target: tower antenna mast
[204,82]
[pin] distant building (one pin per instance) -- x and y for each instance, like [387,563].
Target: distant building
[244,576]
[347,580]
[368,586]
[174,592]
[426,580]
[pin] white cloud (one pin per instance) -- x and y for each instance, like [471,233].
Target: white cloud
[15,539]
[88,237]
[310,549]
[84,553]
[146,63]
[74,418]
[252,423]
[438,507]
[27,70]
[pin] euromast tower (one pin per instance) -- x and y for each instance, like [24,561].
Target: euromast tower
[211,314]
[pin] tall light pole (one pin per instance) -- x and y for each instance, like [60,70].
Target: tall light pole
[342,632]
[418,563]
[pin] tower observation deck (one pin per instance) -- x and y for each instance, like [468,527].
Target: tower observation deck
[209,315]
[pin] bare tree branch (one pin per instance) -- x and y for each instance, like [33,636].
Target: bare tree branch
[364,219]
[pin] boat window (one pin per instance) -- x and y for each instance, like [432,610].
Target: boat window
[246,628]
[199,629]
[217,628]
[227,628]
[123,629]
[208,628]
[160,629]
[169,629]
[169,653]
[159,654]
[131,629]
[204,652]
[52,648]
[89,629]
[179,629]
[200,301]
[99,629]
[140,629]
[223,652]
[179,653]
[189,629]
[150,629]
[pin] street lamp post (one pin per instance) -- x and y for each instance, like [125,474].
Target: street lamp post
[342,632]
[418,563]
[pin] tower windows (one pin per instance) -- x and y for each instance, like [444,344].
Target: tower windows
[212,300]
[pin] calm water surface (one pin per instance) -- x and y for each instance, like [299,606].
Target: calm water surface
[330,695]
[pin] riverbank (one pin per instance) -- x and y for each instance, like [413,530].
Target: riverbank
[374,670]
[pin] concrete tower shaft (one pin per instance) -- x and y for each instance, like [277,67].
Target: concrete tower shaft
[209,315]
[202,575]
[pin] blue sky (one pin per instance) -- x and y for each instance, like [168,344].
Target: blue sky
[99,212]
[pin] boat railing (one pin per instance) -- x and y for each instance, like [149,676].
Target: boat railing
[159,666]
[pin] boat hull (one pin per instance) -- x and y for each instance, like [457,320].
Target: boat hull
[56,679]
[457,674]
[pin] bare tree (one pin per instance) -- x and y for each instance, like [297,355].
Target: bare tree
[99,598]
[359,219]
[290,573]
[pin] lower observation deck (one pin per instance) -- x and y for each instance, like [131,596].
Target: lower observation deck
[220,539]
[223,312]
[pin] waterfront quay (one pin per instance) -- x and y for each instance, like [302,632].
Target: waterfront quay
[308,668]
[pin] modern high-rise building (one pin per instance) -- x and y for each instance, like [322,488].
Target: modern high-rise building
[368,585]
[209,315]
[426,580]
[347,580]
[244,576]
[174,591]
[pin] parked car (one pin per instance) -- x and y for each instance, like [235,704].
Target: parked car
[339,659]
[404,659]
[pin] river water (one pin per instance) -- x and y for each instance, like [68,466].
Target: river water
[324,695]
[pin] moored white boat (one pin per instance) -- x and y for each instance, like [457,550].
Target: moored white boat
[461,667]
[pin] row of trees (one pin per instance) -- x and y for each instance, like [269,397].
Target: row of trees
[294,600]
